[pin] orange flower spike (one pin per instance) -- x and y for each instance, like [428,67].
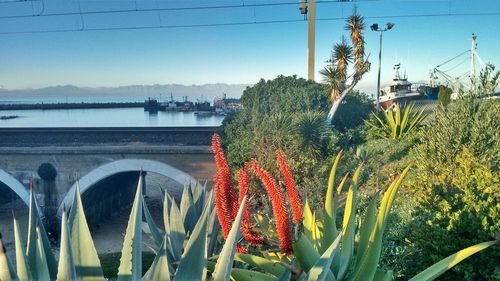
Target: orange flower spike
[291,187]
[225,199]
[223,212]
[223,169]
[250,236]
[279,207]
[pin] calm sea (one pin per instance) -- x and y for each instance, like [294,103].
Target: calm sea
[116,117]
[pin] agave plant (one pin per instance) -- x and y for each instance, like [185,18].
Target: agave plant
[398,122]
[181,254]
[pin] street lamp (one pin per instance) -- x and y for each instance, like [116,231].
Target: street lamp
[375,27]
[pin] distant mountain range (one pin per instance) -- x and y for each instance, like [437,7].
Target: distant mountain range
[177,90]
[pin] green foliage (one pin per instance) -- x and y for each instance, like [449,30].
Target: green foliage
[398,122]
[354,109]
[444,95]
[47,172]
[488,81]
[458,189]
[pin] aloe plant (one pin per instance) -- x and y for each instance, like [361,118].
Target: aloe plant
[78,258]
[352,252]
[398,121]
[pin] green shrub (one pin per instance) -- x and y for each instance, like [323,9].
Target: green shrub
[354,109]
[458,189]
[444,95]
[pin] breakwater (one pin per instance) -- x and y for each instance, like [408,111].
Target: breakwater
[81,105]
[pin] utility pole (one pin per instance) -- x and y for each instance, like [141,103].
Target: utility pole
[311,34]
[308,9]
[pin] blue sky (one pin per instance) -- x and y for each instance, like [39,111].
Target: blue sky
[227,54]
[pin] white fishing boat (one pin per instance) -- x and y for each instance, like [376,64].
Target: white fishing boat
[400,91]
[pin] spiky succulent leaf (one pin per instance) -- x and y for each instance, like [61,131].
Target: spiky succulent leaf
[160,269]
[7,271]
[224,264]
[349,226]
[369,262]
[22,267]
[440,267]
[241,274]
[331,205]
[66,270]
[35,221]
[177,231]
[131,259]
[321,269]
[311,228]
[366,228]
[87,263]
[154,231]
[261,263]
[41,264]
[193,263]
[188,209]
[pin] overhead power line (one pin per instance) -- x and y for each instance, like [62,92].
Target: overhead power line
[243,5]
[86,29]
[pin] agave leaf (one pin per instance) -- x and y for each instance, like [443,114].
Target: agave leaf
[286,276]
[224,264]
[177,231]
[261,263]
[41,265]
[154,231]
[7,271]
[159,270]
[366,228]
[331,205]
[199,198]
[349,226]
[383,275]
[213,230]
[406,116]
[35,221]
[131,259]
[66,270]
[440,267]
[305,253]
[369,262]
[193,263]
[166,214]
[241,274]
[321,270]
[87,263]
[22,267]
[188,209]
[311,228]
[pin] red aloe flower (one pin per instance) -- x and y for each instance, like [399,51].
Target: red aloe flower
[223,212]
[253,237]
[279,206]
[225,198]
[291,188]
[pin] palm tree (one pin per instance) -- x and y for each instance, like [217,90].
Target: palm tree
[343,54]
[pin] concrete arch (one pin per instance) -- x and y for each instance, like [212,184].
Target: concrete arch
[16,186]
[125,165]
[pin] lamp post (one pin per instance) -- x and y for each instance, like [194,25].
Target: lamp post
[375,27]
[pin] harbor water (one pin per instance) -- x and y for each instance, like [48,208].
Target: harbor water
[106,117]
